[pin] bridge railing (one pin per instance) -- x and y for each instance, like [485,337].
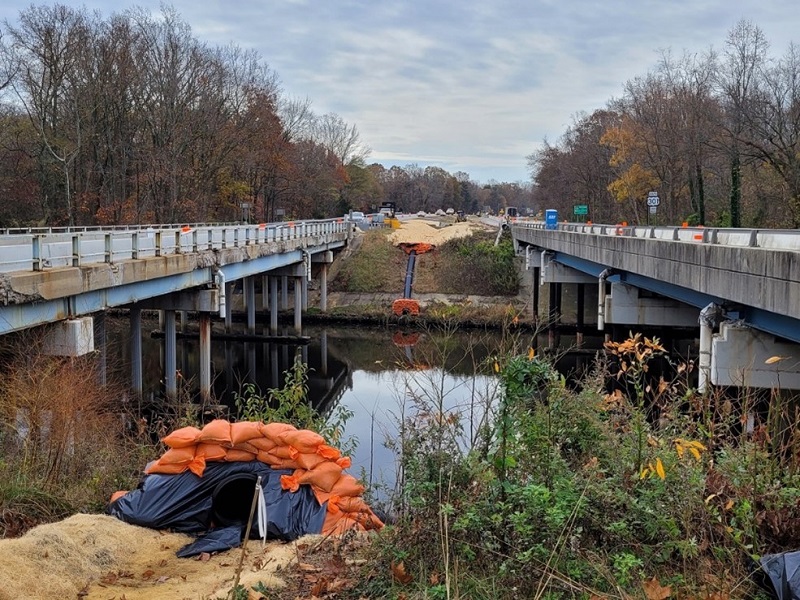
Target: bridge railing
[775,239]
[43,248]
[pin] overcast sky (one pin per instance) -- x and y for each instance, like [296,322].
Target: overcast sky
[466,85]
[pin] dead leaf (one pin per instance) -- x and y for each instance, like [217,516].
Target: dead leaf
[400,574]
[773,359]
[320,587]
[109,578]
[655,591]
[308,568]
[203,557]
[148,574]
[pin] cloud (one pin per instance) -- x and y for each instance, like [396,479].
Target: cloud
[466,85]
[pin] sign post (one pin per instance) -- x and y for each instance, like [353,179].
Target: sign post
[580,210]
[652,204]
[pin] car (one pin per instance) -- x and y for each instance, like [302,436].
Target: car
[450,211]
[422,213]
[356,216]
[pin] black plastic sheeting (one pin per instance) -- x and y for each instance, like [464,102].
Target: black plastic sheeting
[216,540]
[221,498]
[783,572]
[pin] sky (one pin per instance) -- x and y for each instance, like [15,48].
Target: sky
[465,85]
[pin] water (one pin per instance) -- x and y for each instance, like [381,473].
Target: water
[382,376]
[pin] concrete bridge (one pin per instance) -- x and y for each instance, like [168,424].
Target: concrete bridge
[739,287]
[66,277]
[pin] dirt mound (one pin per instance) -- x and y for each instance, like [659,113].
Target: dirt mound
[417,230]
[100,557]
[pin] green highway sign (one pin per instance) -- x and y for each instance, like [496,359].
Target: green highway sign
[580,209]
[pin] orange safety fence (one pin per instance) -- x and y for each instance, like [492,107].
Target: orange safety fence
[282,446]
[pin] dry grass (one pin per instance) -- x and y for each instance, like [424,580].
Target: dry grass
[62,433]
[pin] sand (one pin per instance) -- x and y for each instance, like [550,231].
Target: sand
[99,557]
[419,230]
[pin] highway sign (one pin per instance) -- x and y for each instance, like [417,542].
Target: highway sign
[652,199]
[580,209]
[653,209]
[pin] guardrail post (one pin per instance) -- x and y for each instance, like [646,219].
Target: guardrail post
[178,248]
[36,250]
[76,250]
[109,258]
[158,243]
[195,246]
[135,245]
[754,238]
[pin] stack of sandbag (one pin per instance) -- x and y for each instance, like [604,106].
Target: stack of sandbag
[281,446]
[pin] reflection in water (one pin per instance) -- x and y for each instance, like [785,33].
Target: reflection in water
[383,376]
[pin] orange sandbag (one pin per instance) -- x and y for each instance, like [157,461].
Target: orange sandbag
[217,431]
[244,431]
[324,476]
[182,438]
[347,485]
[234,455]
[247,447]
[339,523]
[352,504]
[304,440]
[328,452]
[273,431]
[263,443]
[173,469]
[290,483]
[308,461]
[269,459]
[211,451]
[285,452]
[344,462]
[198,465]
[178,456]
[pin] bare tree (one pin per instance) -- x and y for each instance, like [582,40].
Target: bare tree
[44,53]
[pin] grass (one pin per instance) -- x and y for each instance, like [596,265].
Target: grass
[464,266]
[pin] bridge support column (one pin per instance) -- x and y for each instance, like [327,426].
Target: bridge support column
[136,350]
[298,305]
[323,288]
[265,293]
[72,337]
[536,285]
[284,292]
[324,259]
[170,354]
[745,357]
[228,292]
[250,303]
[579,317]
[273,306]
[205,356]
[304,292]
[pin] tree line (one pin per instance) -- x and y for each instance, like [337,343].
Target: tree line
[131,119]
[716,135]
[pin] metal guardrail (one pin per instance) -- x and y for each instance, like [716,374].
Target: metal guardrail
[37,249]
[772,239]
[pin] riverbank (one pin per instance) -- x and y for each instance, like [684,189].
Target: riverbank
[463,274]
